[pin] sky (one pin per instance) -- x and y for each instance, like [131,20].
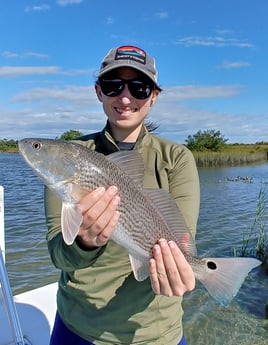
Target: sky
[211,57]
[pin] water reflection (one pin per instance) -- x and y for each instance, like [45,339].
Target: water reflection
[227,210]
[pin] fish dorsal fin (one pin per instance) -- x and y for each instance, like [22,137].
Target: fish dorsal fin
[131,163]
[169,210]
[139,267]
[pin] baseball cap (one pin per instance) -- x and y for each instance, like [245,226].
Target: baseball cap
[129,56]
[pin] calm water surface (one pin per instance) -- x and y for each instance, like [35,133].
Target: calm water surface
[227,210]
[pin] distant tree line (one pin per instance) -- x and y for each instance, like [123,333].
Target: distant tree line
[71,134]
[12,145]
[8,145]
[202,141]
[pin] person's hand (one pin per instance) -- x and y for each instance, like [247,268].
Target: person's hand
[100,216]
[170,273]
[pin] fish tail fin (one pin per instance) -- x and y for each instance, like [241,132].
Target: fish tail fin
[224,276]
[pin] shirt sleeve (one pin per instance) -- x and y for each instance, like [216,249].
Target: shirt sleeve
[184,185]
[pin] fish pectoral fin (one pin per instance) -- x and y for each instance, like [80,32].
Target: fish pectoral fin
[77,192]
[71,218]
[140,268]
[224,276]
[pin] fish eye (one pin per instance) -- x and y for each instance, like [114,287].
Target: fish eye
[36,145]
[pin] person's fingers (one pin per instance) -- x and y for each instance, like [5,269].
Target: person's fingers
[90,199]
[153,273]
[100,216]
[186,275]
[95,207]
[163,286]
[170,273]
[106,233]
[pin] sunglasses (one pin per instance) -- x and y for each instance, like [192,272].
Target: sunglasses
[140,89]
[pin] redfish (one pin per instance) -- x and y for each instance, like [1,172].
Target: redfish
[72,170]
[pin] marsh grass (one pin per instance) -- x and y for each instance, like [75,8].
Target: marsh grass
[255,240]
[232,155]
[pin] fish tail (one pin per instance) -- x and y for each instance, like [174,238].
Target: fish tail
[224,276]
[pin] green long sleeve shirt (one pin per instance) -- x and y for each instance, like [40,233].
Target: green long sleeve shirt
[98,297]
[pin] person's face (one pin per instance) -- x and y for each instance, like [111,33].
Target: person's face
[124,111]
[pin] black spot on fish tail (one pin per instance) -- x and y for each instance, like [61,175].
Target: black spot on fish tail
[211,265]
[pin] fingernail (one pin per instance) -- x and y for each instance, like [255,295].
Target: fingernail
[113,190]
[171,244]
[162,242]
[100,190]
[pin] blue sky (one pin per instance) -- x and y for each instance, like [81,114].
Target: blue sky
[211,56]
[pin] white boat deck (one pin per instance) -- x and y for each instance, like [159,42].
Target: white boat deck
[36,312]
[26,318]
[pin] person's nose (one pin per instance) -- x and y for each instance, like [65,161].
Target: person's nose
[125,96]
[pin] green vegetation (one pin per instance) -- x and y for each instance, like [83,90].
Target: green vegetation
[210,148]
[232,154]
[8,145]
[208,140]
[255,240]
[71,134]
[11,146]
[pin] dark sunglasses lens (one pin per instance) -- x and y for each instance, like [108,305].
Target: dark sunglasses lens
[140,89]
[111,87]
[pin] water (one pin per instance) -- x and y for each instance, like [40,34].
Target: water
[227,210]
[27,258]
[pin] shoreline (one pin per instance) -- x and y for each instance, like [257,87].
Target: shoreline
[233,156]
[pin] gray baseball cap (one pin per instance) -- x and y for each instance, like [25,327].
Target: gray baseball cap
[129,56]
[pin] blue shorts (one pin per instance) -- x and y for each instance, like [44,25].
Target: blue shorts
[61,335]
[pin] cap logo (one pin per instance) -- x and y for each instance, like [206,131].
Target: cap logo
[131,53]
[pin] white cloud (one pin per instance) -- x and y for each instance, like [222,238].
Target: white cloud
[37,8]
[16,71]
[68,2]
[177,121]
[70,93]
[109,20]
[9,54]
[234,64]
[162,15]
[213,41]
[49,112]
[180,93]
[224,32]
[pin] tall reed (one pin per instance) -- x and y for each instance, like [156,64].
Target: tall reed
[255,240]
[206,159]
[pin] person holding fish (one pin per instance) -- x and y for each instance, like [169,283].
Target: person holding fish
[121,208]
[100,301]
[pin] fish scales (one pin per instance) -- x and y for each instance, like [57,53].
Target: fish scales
[136,210]
[71,170]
